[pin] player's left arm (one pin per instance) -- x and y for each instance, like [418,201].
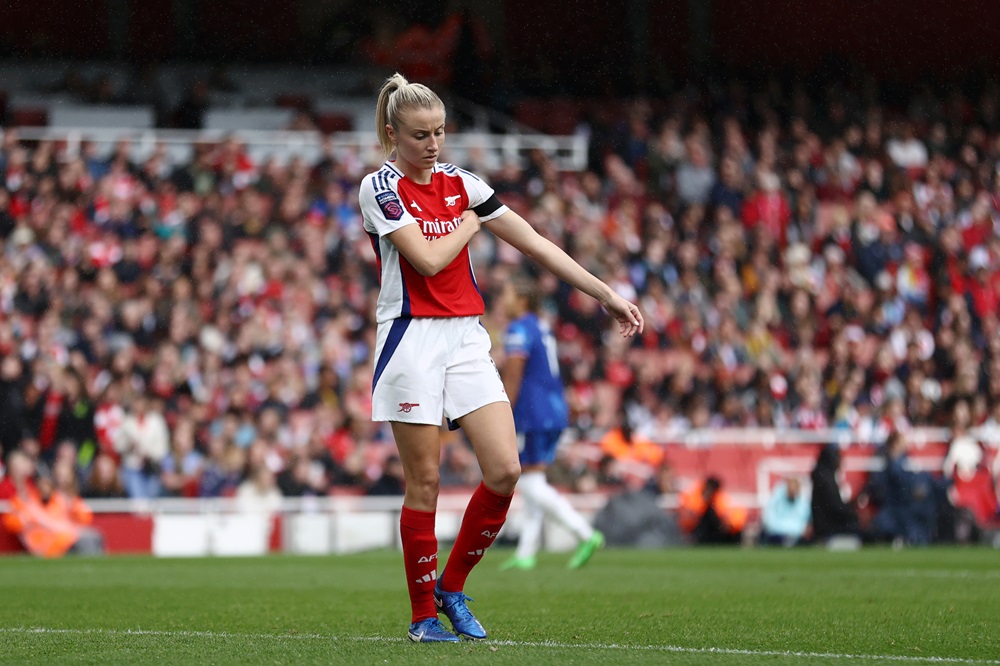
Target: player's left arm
[512,228]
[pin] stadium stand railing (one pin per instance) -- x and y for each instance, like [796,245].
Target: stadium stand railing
[568,152]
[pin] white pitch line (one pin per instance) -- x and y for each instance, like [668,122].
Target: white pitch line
[521,644]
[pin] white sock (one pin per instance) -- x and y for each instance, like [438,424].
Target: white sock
[536,489]
[531,529]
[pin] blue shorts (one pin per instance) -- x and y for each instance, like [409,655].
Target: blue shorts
[538,447]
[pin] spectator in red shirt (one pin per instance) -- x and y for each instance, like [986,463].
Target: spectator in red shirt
[977,223]
[767,208]
[981,288]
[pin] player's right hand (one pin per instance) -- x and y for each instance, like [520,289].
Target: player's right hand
[470,217]
[629,318]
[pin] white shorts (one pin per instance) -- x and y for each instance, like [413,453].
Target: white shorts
[431,368]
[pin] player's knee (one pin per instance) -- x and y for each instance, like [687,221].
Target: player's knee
[424,489]
[503,478]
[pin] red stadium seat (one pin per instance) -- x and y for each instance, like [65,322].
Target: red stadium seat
[293,101]
[329,123]
[558,116]
[29,117]
[531,112]
[562,117]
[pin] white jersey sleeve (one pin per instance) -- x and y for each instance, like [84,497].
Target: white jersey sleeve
[482,199]
[381,208]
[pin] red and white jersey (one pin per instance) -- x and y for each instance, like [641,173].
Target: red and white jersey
[389,201]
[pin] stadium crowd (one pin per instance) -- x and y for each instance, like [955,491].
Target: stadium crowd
[206,329]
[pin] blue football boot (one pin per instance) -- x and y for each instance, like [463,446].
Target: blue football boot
[452,604]
[430,631]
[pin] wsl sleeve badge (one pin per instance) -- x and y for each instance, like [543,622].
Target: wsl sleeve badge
[391,208]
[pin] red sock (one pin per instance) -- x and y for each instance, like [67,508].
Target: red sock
[420,548]
[483,519]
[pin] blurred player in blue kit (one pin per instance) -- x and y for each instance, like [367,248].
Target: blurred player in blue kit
[531,378]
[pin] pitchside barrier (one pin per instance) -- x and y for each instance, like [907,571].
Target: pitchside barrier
[749,463]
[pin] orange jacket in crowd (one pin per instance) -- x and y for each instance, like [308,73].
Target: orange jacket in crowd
[47,530]
[639,449]
[692,506]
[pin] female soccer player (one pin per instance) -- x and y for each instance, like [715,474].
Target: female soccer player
[432,355]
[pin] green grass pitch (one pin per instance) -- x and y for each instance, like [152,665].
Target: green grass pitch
[685,606]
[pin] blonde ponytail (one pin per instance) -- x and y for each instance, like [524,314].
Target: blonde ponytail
[397,95]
